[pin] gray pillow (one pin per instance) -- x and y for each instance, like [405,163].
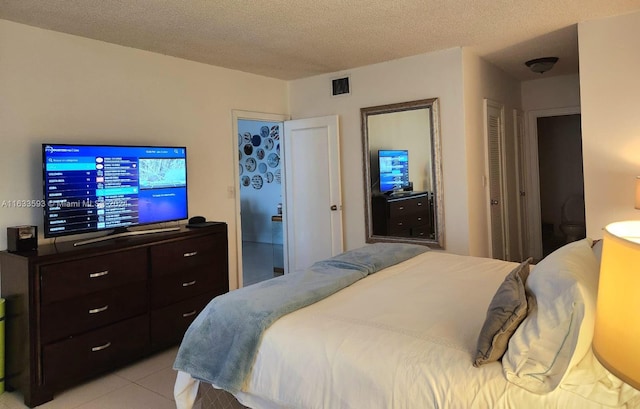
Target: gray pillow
[507,310]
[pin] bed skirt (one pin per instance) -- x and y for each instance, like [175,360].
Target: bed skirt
[212,398]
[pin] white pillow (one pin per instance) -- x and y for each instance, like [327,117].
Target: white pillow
[558,331]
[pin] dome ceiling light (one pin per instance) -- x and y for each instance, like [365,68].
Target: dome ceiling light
[541,65]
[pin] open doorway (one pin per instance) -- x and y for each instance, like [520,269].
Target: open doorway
[260,196]
[562,214]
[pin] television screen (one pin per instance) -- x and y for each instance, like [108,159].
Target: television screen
[394,169]
[89,188]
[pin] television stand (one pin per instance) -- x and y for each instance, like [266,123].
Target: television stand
[126,233]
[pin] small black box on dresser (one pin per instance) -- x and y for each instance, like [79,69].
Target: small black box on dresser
[22,238]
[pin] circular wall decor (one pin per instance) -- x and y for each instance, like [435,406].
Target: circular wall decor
[260,153]
[262,167]
[269,177]
[241,169]
[264,131]
[245,180]
[275,132]
[256,140]
[246,137]
[251,164]
[273,160]
[248,149]
[268,144]
[278,176]
[256,182]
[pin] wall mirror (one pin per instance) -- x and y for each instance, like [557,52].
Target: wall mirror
[403,173]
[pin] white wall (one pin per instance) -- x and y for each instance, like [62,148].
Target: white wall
[62,88]
[437,74]
[553,92]
[609,96]
[484,80]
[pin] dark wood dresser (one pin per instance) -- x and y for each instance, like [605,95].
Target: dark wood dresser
[407,215]
[76,312]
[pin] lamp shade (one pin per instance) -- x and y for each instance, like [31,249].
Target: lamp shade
[616,340]
[638,192]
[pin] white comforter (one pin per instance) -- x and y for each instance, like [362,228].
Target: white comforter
[401,338]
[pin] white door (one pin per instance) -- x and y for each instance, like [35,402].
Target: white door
[312,210]
[494,128]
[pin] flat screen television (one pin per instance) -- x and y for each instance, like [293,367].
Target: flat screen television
[394,169]
[91,188]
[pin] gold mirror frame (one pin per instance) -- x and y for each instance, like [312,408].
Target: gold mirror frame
[432,138]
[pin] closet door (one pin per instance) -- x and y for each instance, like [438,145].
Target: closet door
[494,128]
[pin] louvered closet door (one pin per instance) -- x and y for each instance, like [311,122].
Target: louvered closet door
[495,137]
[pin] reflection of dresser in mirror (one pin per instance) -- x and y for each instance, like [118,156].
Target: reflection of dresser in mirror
[409,214]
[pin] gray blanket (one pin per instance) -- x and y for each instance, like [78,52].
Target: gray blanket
[221,344]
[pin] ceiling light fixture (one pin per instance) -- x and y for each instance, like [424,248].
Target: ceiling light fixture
[541,65]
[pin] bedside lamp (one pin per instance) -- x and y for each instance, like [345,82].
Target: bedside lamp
[616,340]
[638,192]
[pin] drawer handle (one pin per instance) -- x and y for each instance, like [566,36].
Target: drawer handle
[401,208]
[101,347]
[97,310]
[193,253]
[399,223]
[419,203]
[99,274]
[419,219]
[190,283]
[189,314]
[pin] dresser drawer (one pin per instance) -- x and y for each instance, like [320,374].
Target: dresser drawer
[76,358]
[169,324]
[189,283]
[80,277]
[403,207]
[182,255]
[76,316]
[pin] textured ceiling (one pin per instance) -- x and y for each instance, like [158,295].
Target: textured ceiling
[290,39]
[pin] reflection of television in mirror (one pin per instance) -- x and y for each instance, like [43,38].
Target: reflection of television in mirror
[91,188]
[394,169]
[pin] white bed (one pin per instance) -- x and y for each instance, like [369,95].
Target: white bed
[405,337]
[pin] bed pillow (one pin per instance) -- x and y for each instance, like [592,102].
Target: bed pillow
[558,331]
[507,310]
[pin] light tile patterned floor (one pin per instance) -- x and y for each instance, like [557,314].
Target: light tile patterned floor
[145,384]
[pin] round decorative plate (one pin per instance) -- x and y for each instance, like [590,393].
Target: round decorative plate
[239,154]
[262,167]
[273,160]
[256,140]
[248,149]
[260,153]
[269,177]
[256,182]
[275,132]
[239,140]
[246,181]
[264,131]
[246,137]
[278,176]
[241,169]
[251,164]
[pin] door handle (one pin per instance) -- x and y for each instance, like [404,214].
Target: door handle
[334,208]
[494,202]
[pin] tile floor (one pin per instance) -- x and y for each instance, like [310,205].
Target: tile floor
[147,384]
[257,261]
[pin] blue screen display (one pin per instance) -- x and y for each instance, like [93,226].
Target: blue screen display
[88,188]
[394,169]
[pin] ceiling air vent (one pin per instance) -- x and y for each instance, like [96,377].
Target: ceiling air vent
[340,86]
